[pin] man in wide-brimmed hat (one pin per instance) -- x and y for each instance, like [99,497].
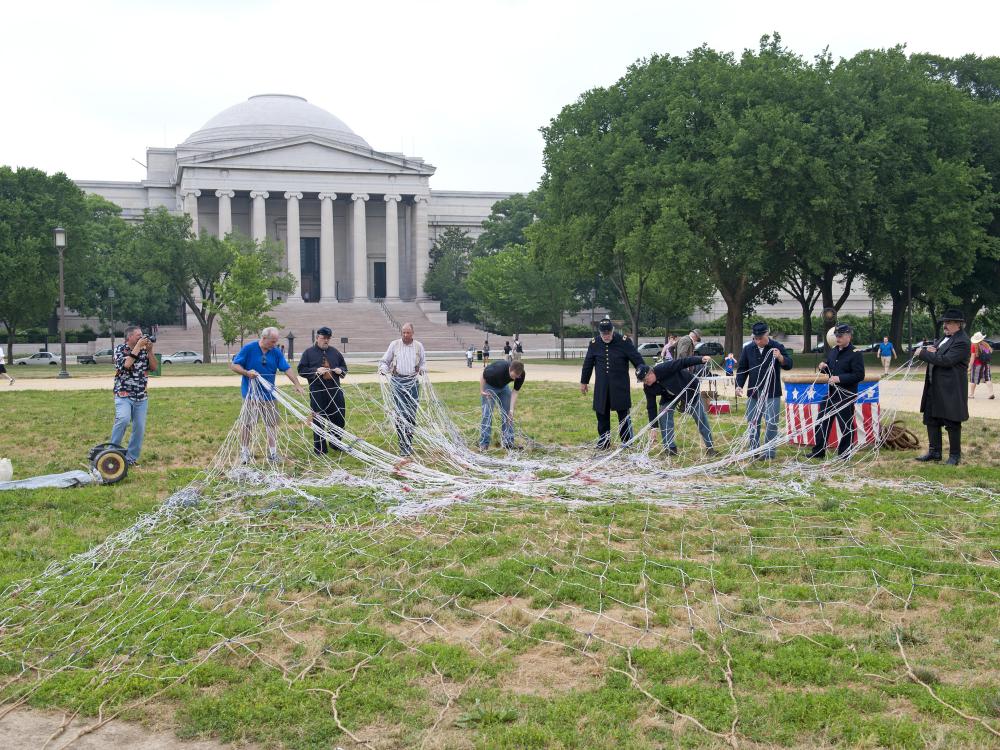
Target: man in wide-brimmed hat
[944,402]
[979,372]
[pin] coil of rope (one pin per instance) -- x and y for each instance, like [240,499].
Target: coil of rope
[899,437]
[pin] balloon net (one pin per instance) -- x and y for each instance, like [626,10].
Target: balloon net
[405,542]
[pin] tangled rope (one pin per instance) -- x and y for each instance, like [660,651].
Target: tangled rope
[899,437]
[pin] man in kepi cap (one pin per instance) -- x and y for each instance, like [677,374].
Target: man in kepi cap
[943,402]
[609,355]
[759,369]
[323,366]
[846,368]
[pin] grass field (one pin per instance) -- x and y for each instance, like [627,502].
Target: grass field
[856,616]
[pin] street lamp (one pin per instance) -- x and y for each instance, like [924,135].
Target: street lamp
[111,301]
[59,240]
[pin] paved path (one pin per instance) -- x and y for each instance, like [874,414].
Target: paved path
[899,396]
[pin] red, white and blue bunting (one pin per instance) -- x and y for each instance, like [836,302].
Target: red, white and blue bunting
[802,404]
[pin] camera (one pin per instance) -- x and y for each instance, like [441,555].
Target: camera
[150,335]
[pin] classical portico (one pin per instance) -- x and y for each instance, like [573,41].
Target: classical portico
[352,220]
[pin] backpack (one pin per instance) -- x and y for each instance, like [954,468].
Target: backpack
[985,355]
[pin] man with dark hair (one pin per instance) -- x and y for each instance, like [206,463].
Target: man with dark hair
[133,361]
[846,368]
[944,402]
[759,369]
[494,388]
[674,383]
[609,355]
[323,366]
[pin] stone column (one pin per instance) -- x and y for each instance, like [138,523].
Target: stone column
[392,247]
[422,247]
[292,248]
[191,207]
[225,212]
[360,248]
[327,277]
[258,223]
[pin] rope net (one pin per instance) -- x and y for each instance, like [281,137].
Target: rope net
[321,567]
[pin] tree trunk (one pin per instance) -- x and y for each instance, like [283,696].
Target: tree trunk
[734,325]
[896,321]
[562,337]
[11,338]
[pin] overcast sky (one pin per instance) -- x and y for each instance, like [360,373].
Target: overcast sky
[88,86]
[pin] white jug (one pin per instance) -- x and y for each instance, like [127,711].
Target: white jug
[6,470]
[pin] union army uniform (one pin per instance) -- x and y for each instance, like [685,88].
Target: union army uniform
[610,364]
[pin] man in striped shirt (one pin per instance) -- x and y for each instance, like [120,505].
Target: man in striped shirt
[404,362]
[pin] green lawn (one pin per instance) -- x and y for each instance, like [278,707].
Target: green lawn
[770,621]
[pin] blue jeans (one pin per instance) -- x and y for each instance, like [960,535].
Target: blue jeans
[129,410]
[405,395]
[697,409]
[768,408]
[506,423]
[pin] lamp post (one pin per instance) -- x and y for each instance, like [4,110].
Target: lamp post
[59,240]
[111,300]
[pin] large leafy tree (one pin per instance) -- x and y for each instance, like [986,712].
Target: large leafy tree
[192,267]
[925,223]
[32,203]
[449,268]
[507,221]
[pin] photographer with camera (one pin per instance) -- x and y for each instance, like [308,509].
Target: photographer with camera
[133,361]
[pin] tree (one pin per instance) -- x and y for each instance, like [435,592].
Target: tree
[925,223]
[32,204]
[185,264]
[507,221]
[447,273]
[245,295]
[110,263]
[515,291]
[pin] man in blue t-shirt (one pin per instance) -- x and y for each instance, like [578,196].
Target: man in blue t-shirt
[261,359]
[886,353]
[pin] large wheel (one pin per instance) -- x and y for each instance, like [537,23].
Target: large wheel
[197,362]
[111,465]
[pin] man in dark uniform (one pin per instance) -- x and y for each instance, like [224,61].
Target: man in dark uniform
[671,379]
[323,366]
[846,368]
[609,355]
[759,369]
[943,402]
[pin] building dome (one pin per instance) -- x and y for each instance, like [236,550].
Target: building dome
[269,117]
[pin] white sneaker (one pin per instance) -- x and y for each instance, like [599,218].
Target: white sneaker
[273,457]
[244,455]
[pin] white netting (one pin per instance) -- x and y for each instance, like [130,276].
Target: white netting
[322,566]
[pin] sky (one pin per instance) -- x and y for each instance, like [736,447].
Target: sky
[466,85]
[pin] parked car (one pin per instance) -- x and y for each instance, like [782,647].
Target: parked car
[104,357]
[39,358]
[650,349]
[711,348]
[85,359]
[178,357]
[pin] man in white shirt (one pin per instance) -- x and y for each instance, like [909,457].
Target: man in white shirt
[403,363]
[3,368]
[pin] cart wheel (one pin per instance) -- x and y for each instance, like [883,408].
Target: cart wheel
[111,465]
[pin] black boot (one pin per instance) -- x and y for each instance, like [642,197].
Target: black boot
[933,444]
[953,460]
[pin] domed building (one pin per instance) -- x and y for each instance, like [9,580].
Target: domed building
[357,223]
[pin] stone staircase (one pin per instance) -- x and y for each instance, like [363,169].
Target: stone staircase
[368,326]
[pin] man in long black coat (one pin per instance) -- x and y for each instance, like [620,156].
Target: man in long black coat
[944,400]
[846,368]
[608,357]
[323,366]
